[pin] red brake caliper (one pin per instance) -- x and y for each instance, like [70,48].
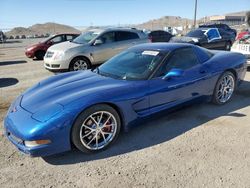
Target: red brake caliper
[107,127]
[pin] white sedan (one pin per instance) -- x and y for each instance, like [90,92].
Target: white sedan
[243,46]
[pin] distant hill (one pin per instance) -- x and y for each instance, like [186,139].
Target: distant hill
[169,21]
[39,29]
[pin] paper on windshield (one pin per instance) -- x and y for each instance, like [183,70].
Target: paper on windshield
[149,52]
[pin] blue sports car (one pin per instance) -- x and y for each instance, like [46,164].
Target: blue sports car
[87,109]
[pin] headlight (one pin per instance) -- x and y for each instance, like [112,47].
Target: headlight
[47,112]
[36,143]
[13,106]
[58,55]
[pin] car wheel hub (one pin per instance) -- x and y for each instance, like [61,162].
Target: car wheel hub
[226,88]
[98,130]
[80,65]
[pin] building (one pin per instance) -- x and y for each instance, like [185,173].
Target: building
[229,19]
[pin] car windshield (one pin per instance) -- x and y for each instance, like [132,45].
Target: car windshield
[131,65]
[86,37]
[196,33]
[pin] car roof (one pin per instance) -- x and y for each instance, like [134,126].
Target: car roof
[161,46]
[114,29]
[205,28]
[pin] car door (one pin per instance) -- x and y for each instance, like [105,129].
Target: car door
[214,38]
[104,51]
[124,40]
[167,93]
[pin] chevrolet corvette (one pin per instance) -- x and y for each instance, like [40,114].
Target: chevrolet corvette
[88,109]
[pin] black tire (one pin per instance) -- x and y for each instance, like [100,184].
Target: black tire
[216,100]
[228,46]
[40,54]
[83,117]
[85,61]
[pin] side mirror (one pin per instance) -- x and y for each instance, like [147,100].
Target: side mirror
[98,42]
[173,73]
[49,42]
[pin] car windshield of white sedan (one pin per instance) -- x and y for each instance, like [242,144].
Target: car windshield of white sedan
[131,65]
[85,37]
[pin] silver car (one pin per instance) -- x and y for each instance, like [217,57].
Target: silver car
[91,48]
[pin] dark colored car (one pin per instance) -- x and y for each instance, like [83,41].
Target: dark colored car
[220,26]
[210,38]
[39,50]
[159,36]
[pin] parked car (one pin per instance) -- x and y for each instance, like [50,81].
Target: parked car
[2,37]
[87,109]
[38,50]
[220,26]
[242,34]
[91,48]
[159,36]
[211,38]
[243,46]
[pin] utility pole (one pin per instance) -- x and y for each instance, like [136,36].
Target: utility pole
[195,11]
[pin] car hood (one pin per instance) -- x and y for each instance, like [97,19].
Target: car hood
[185,39]
[35,45]
[65,88]
[64,46]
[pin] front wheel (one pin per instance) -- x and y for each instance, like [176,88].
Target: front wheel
[79,63]
[224,88]
[96,128]
[40,54]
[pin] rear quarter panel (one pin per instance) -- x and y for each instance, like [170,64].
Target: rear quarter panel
[223,61]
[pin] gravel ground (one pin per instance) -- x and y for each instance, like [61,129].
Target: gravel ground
[199,146]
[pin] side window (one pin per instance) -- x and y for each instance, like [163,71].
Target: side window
[125,35]
[108,37]
[57,39]
[181,59]
[69,37]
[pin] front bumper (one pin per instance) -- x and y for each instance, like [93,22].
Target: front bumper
[51,64]
[29,54]
[19,126]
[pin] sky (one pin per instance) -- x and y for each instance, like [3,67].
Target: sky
[79,13]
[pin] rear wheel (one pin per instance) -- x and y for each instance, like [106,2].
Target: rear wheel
[224,88]
[228,46]
[79,63]
[96,128]
[40,54]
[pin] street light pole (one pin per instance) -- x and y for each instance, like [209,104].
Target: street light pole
[195,11]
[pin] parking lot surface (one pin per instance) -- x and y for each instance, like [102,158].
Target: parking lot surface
[203,145]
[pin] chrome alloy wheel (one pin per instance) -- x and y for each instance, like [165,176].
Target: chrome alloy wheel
[226,88]
[98,130]
[80,65]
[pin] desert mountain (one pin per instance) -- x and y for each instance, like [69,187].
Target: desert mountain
[173,21]
[39,29]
